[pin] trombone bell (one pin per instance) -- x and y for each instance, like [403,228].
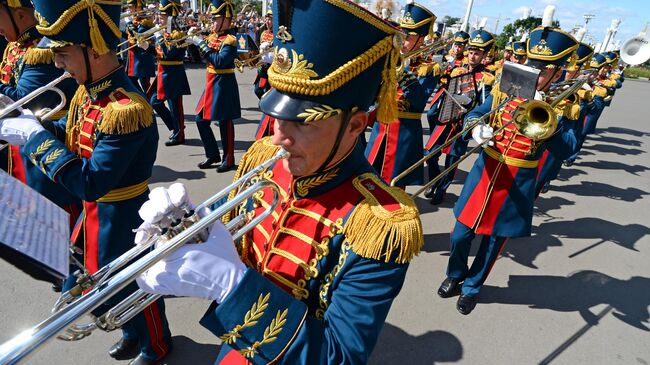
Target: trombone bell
[535,119]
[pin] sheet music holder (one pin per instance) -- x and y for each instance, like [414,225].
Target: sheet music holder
[34,232]
[518,80]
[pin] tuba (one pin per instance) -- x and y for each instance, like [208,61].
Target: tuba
[635,51]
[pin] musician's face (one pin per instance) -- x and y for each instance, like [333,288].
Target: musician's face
[412,42]
[24,18]
[133,8]
[268,22]
[220,23]
[516,58]
[458,49]
[474,57]
[547,77]
[507,55]
[310,144]
[71,59]
[163,20]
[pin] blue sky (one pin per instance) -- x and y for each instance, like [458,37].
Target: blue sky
[633,13]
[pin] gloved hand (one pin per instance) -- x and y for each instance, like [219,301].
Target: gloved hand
[264,46]
[209,270]
[159,34]
[19,130]
[482,133]
[193,30]
[143,44]
[165,205]
[195,40]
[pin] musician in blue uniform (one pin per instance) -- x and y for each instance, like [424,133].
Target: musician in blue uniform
[24,68]
[318,279]
[497,199]
[574,111]
[519,54]
[603,87]
[140,59]
[393,147]
[474,82]
[171,80]
[103,152]
[220,100]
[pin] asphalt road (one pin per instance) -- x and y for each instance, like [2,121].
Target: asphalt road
[576,292]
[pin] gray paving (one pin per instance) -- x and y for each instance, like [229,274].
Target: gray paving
[576,292]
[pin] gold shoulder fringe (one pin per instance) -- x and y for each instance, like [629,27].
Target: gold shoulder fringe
[379,234]
[38,56]
[126,118]
[259,152]
[488,78]
[230,40]
[71,127]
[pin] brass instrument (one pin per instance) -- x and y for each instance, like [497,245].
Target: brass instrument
[139,37]
[115,276]
[535,119]
[635,51]
[251,62]
[44,113]
[428,49]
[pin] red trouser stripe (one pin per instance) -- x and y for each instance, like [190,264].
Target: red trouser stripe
[16,164]
[91,234]
[155,327]
[376,143]
[392,137]
[505,177]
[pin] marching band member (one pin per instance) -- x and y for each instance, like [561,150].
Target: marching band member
[497,198]
[220,100]
[518,53]
[103,152]
[573,115]
[602,88]
[140,60]
[171,80]
[261,83]
[456,56]
[395,146]
[24,68]
[489,61]
[475,83]
[318,279]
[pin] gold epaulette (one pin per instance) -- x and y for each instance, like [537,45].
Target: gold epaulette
[609,83]
[585,94]
[38,56]
[177,35]
[458,71]
[386,224]
[488,78]
[424,69]
[230,40]
[437,70]
[599,91]
[567,109]
[128,112]
[148,23]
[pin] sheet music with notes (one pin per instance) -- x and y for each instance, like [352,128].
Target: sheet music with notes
[33,226]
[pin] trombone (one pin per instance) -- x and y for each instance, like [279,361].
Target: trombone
[428,49]
[139,37]
[535,119]
[108,281]
[252,62]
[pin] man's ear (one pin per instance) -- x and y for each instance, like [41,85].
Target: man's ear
[358,123]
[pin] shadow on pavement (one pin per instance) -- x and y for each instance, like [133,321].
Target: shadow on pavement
[566,173]
[616,140]
[186,351]
[436,242]
[165,174]
[398,347]
[596,189]
[424,206]
[621,151]
[578,292]
[612,165]
[620,130]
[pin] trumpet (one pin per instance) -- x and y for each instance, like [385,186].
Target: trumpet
[251,62]
[43,113]
[428,49]
[115,276]
[139,37]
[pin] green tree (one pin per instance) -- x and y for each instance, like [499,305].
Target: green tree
[519,26]
[449,20]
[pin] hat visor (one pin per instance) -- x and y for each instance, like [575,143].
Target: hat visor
[51,43]
[285,106]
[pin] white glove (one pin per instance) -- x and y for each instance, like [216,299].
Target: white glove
[267,57]
[209,270]
[193,30]
[195,40]
[19,130]
[159,34]
[143,44]
[264,46]
[482,133]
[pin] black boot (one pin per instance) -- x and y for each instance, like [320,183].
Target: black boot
[141,360]
[437,197]
[429,192]
[174,142]
[449,287]
[124,349]
[225,167]
[466,304]
[209,162]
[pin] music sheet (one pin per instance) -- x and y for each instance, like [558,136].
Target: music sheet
[34,226]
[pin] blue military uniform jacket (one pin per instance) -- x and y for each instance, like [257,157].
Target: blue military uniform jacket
[171,80]
[323,271]
[394,147]
[105,159]
[499,192]
[220,100]
[24,69]
[139,62]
